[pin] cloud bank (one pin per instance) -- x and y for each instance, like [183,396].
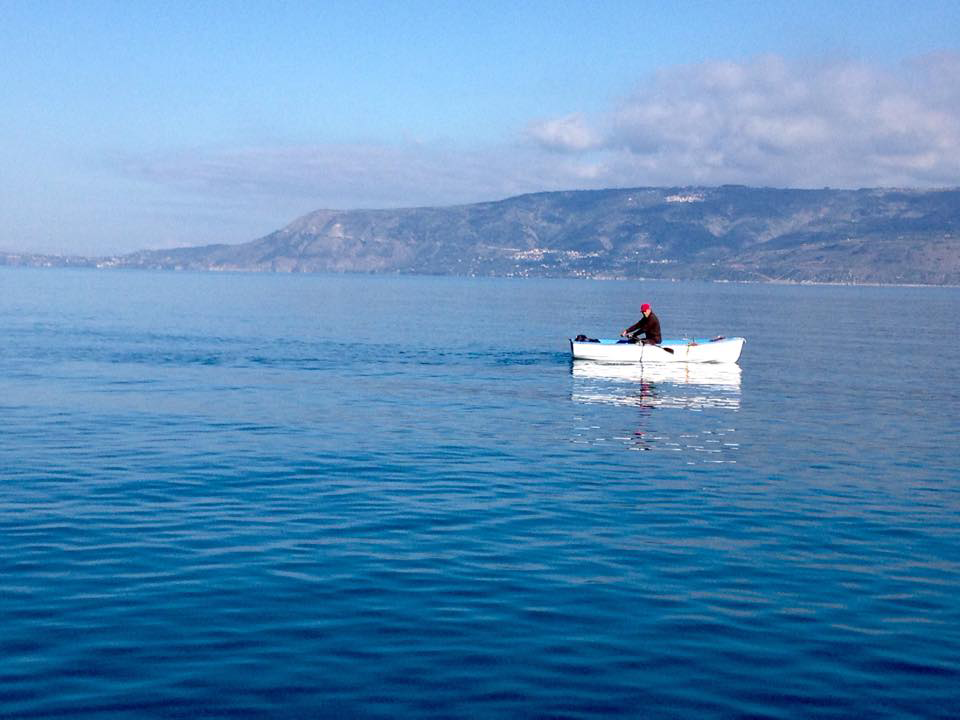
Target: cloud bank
[767,121]
[349,175]
[773,122]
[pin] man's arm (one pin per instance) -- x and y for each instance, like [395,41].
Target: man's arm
[635,327]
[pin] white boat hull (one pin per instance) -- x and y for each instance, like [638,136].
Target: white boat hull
[724,376]
[719,350]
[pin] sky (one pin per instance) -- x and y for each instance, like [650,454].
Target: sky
[134,124]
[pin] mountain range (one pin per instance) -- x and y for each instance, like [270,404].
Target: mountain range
[737,233]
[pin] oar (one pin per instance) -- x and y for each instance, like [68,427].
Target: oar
[665,349]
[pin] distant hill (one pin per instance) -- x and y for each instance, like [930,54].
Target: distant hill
[38,260]
[724,233]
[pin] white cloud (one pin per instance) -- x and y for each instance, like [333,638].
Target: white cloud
[570,133]
[769,121]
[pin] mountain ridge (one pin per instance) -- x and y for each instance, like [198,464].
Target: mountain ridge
[731,232]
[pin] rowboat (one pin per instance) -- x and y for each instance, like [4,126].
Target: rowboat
[712,350]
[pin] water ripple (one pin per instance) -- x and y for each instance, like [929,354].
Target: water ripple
[255,511]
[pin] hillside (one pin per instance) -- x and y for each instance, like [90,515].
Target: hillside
[725,233]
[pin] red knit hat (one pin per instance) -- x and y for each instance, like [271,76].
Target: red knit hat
[644,307]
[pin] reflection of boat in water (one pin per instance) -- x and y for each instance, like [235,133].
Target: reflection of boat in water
[694,386]
[714,374]
[714,350]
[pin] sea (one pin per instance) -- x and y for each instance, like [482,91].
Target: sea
[358,496]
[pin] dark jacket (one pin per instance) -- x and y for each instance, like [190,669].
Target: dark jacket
[650,325]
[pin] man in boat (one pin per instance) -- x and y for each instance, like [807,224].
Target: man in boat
[648,325]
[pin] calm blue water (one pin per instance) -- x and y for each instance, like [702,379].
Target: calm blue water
[313,496]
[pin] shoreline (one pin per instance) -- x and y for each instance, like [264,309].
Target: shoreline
[88,264]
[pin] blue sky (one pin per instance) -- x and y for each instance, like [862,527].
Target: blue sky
[128,125]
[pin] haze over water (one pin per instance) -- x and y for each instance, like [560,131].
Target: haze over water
[296,496]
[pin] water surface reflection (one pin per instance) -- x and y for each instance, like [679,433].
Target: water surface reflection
[707,391]
[694,386]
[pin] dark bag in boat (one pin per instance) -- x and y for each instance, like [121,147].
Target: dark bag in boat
[584,338]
